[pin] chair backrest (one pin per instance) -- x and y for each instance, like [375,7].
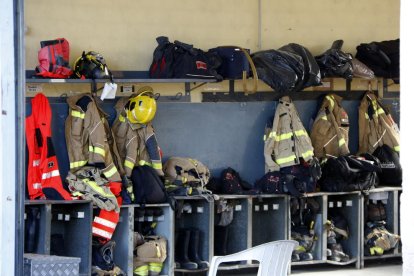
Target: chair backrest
[274,258]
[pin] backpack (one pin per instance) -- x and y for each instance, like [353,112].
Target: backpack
[231,182]
[389,162]
[54,59]
[163,58]
[381,57]
[147,185]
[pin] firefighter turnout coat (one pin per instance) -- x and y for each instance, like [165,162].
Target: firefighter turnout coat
[288,140]
[89,138]
[329,133]
[137,143]
[376,126]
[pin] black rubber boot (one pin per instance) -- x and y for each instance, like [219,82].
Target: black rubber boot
[221,234]
[181,250]
[195,244]
[31,226]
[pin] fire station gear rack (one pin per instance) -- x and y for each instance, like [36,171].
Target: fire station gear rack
[256,219]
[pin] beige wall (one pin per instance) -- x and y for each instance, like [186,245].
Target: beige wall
[124,31]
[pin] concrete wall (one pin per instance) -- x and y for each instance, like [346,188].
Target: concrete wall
[124,31]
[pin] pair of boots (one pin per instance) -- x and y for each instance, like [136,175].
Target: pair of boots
[187,248]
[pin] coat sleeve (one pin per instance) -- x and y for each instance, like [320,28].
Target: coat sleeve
[270,147]
[153,149]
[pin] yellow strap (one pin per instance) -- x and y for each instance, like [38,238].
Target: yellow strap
[78,164]
[97,150]
[286,159]
[111,172]
[341,142]
[129,164]
[121,118]
[77,114]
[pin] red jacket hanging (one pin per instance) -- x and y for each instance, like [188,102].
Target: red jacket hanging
[43,177]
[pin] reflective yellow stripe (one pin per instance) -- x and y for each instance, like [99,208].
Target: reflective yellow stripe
[121,118]
[324,118]
[331,101]
[97,188]
[284,136]
[141,270]
[77,114]
[397,148]
[380,111]
[111,172]
[366,116]
[143,162]
[307,154]
[97,150]
[341,142]
[272,134]
[157,165]
[129,164]
[155,267]
[301,133]
[78,164]
[264,137]
[286,159]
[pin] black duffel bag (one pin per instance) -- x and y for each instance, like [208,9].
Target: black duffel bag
[381,57]
[349,173]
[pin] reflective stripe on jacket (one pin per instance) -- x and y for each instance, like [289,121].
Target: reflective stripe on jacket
[329,133]
[376,126]
[136,143]
[288,140]
[88,137]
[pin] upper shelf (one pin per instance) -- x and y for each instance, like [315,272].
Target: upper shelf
[118,77]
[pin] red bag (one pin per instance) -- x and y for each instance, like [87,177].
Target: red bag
[54,59]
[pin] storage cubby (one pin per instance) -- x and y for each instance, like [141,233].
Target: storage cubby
[389,198]
[349,206]
[65,229]
[319,244]
[269,218]
[132,219]
[195,213]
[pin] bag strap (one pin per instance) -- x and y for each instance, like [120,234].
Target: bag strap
[253,68]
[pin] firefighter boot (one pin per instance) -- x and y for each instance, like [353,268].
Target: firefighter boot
[31,228]
[102,255]
[220,240]
[181,250]
[195,244]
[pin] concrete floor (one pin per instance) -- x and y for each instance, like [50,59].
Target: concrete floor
[373,270]
[389,267]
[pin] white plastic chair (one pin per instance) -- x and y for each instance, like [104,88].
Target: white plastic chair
[274,258]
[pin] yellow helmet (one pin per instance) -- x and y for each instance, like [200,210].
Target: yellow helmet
[141,109]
